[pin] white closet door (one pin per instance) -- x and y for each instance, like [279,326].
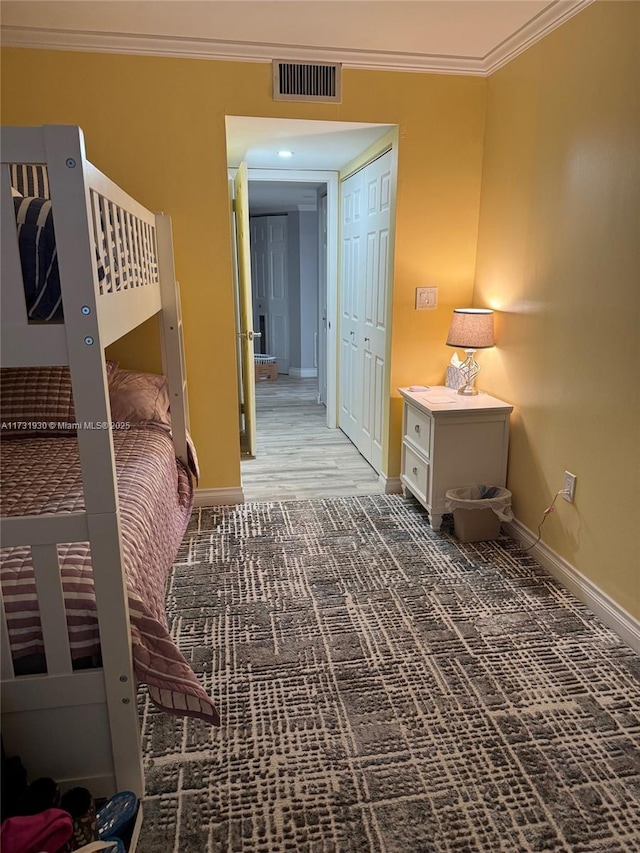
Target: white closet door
[366,210]
[271,285]
[259,276]
[377,194]
[351,338]
[278,323]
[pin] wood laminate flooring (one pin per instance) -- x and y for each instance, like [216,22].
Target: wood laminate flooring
[298,457]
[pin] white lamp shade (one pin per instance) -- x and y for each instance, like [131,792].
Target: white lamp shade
[471,328]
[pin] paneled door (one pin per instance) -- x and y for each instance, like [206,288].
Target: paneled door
[270,285]
[366,212]
[377,209]
[351,291]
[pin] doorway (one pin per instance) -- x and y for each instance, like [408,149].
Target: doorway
[301,195]
[328,138]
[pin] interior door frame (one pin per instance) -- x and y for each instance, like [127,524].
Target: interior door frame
[331,179]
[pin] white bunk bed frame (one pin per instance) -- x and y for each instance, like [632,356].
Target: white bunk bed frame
[81,727]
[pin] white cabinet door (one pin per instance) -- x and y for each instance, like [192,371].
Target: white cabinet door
[366,213]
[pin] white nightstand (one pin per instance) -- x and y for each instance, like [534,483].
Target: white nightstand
[449,441]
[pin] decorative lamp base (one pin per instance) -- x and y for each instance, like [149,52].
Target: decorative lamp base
[469,370]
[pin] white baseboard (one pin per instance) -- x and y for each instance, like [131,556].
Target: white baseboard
[303,372]
[626,626]
[219,497]
[390,485]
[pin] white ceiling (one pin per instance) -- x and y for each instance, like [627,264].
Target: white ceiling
[451,36]
[313,144]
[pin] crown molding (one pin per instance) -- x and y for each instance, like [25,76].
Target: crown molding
[94,42]
[537,28]
[41,38]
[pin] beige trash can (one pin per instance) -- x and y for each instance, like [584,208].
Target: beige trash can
[478,511]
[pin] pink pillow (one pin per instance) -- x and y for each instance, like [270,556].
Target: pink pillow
[38,395]
[139,398]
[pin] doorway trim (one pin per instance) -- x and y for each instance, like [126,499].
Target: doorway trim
[331,179]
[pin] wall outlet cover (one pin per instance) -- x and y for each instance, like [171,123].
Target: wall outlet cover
[569,486]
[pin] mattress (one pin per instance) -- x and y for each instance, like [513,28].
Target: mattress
[42,475]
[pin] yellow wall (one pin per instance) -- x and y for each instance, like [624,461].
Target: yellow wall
[156,127]
[558,254]
[557,250]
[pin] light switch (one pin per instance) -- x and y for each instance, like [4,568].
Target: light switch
[426,298]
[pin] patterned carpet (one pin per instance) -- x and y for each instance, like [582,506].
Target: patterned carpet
[385,689]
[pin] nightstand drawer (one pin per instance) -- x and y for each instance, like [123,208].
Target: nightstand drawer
[418,429]
[416,473]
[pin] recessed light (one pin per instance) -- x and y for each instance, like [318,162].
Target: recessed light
[285,153]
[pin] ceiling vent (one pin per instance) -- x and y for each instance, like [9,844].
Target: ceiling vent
[307,81]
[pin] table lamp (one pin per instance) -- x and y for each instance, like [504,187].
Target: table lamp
[471,329]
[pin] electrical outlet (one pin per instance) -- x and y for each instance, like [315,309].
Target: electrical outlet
[426,298]
[569,486]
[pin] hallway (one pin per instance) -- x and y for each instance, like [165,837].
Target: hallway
[297,456]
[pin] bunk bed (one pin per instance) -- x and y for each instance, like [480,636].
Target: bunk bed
[90,527]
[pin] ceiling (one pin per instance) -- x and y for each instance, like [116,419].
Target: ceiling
[282,196]
[445,36]
[450,36]
[312,144]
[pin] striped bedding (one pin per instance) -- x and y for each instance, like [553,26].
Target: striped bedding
[30,179]
[41,475]
[39,258]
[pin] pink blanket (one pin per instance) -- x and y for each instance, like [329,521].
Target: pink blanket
[41,475]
